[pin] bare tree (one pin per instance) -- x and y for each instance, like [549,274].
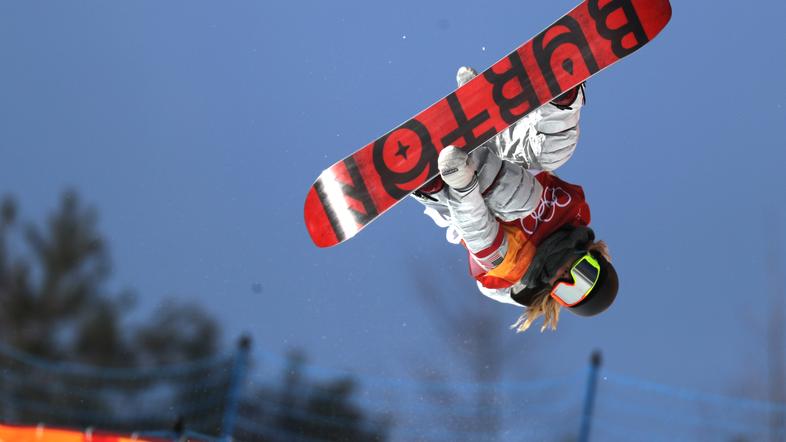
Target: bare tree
[775,328]
[55,304]
[478,331]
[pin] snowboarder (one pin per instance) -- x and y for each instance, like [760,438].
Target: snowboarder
[527,234]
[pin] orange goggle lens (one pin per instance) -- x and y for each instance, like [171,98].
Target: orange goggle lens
[585,274]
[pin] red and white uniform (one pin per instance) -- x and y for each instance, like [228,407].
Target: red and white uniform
[508,192]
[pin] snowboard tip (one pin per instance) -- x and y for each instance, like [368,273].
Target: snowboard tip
[656,14]
[326,226]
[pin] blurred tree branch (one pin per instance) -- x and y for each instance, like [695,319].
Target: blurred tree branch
[54,304]
[475,328]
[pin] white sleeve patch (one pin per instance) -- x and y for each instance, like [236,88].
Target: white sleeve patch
[452,234]
[499,295]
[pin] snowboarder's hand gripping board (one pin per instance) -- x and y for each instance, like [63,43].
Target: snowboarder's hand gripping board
[597,33]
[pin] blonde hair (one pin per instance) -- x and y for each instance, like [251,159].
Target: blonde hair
[544,305]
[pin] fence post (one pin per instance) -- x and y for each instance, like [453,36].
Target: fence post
[589,396]
[235,384]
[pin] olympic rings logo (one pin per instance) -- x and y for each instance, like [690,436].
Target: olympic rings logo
[552,199]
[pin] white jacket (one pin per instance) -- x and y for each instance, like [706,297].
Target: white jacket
[543,140]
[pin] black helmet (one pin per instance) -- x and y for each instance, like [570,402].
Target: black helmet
[604,292]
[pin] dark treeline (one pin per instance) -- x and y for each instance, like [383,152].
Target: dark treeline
[55,305]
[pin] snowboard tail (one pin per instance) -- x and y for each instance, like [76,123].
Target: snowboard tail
[594,35]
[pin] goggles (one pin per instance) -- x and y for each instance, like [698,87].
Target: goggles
[585,274]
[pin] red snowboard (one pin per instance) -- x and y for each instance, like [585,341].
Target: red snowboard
[594,35]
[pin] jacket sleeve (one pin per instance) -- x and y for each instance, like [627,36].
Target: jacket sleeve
[544,139]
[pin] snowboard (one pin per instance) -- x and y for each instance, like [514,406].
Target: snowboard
[355,191]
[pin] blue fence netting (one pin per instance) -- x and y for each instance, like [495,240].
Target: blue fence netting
[36,390]
[218,399]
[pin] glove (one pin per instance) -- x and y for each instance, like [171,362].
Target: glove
[464,74]
[456,169]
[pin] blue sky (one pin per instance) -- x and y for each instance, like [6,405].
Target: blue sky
[196,129]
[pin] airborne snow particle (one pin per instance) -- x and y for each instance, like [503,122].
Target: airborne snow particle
[403,37]
[483,48]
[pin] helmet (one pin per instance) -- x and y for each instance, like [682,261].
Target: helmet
[603,293]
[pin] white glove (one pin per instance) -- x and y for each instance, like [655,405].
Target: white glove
[464,74]
[456,168]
